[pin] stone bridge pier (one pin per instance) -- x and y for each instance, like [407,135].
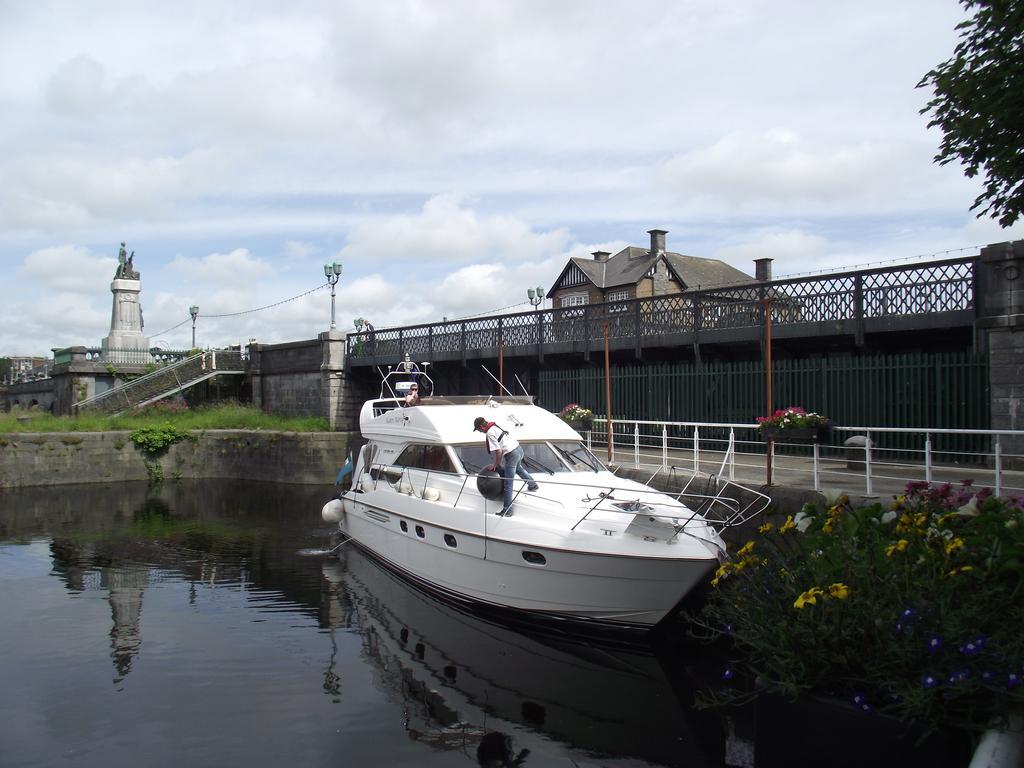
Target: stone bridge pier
[1000,330]
[307,378]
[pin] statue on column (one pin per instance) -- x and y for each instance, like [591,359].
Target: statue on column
[125,267]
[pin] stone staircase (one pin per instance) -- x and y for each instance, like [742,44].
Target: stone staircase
[163,382]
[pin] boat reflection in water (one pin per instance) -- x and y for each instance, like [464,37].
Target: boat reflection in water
[223,639]
[495,691]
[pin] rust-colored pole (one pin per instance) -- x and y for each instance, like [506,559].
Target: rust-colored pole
[608,391]
[770,446]
[501,366]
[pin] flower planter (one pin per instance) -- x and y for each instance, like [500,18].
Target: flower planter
[797,434]
[581,426]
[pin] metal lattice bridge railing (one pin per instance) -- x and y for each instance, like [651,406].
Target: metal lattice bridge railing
[854,298]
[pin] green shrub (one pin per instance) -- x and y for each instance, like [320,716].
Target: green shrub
[915,611]
[156,440]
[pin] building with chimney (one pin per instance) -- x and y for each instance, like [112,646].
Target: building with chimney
[636,272]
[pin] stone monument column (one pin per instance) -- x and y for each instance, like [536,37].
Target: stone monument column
[125,343]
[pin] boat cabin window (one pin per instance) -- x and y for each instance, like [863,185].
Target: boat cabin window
[544,458]
[432,457]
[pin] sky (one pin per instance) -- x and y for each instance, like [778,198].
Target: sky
[450,154]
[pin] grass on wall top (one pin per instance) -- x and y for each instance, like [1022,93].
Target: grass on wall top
[231,416]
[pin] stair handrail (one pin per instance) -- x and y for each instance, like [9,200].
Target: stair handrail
[141,381]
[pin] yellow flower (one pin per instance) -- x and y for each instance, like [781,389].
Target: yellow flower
[787,526]
[723,570]
[766,528]
[839,591]
[899,546]
[954,545]
[898,502]
[961,569]
[746,549]
[810,597]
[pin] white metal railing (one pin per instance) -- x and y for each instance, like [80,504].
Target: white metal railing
[712,505]
[736,450]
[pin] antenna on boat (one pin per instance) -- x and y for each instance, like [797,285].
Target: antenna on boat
[525,390]
[496,381]
[384,382]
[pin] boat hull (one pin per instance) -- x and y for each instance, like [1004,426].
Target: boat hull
[490,570]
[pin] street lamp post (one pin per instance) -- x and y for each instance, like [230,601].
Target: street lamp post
[194,311]
[332,272]
[536,296]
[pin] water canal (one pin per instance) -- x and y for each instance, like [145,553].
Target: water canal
[188,624]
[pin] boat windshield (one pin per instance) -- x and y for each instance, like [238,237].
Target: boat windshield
[548,458]
[578,457]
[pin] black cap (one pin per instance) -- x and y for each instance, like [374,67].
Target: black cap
[478,422]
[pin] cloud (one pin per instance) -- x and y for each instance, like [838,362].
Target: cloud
[69,268]
[295,249]
[446,231]
[78,87]
[782,168]
[76,185]
[791,249]
[238,267]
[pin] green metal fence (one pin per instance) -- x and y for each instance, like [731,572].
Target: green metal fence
[948,390]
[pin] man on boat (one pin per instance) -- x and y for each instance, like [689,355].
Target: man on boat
[504,446]
[413,398]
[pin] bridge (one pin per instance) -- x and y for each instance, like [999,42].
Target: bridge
[961,305]
[834,311]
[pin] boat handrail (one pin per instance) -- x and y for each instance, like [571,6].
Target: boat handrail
[715,510]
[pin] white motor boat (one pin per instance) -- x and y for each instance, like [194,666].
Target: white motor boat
[586,545]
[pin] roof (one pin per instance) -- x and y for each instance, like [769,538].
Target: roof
[629,265]
[450,420]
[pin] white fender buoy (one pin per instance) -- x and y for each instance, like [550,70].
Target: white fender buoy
[431,494]
[333,510]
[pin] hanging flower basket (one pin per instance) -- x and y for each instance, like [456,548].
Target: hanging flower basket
[795,425]
[579,418]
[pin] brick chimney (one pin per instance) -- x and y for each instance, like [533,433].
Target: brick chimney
[657,241]
[763,270]
[600,255]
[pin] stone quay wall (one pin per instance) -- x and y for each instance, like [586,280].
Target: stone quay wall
[63,458]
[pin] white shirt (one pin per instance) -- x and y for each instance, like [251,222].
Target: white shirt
[495,440]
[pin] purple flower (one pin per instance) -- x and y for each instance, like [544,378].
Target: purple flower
[934,643]
[727,674]
[1012,680]
[929,681]
[973,647]
[860,701]
[958,675]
